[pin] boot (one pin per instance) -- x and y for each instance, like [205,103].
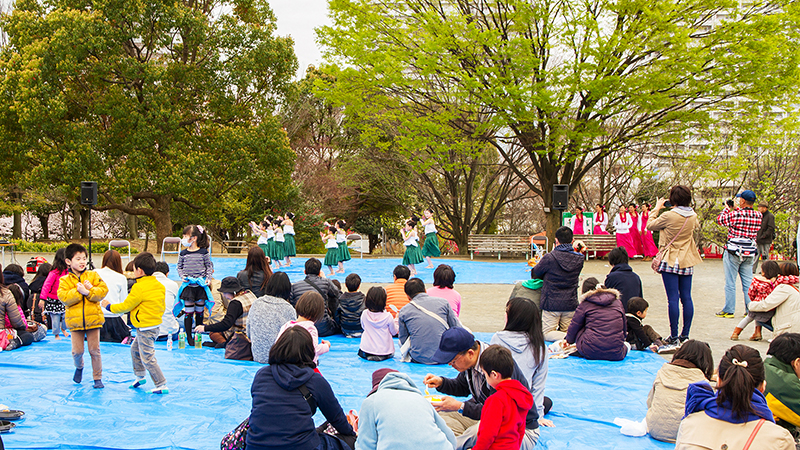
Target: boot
[736,332]
[756,335]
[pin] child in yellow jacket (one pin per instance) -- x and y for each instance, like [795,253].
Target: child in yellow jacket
[81,291]
[145,303]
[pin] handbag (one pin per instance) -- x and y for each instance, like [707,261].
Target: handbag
[663,252]
[238,348]
[753,435]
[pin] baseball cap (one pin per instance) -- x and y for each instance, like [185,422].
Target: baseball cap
[453,341]
[748,195]
[230,285]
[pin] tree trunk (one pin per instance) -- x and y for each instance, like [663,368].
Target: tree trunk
[43,220]
[133,226]
[85,223]
[162,218]
[16,233]
[76,222]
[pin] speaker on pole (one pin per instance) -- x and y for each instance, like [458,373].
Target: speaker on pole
[560,196]
[88,193]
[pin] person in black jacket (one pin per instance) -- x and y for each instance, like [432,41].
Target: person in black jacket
[459,348]
[643,337]
[326,326]
[351,305]
[15,274]
[622,277]
[560,271]
[766,234]
[281,417]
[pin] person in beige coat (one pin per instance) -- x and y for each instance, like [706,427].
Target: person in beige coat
[666,404]
[676,234]
[736,413]
[785,300]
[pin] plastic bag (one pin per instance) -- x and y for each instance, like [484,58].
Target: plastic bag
[631,428]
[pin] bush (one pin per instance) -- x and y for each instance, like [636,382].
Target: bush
[51,247]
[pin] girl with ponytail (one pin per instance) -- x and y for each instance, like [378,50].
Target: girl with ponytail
[737,415]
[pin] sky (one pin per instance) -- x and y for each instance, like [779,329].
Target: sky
[298,18]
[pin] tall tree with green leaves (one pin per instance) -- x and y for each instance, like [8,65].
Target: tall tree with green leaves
[567,83]
[158,101]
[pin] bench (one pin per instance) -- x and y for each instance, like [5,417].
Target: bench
[498,243]
[235,245]
[597,242]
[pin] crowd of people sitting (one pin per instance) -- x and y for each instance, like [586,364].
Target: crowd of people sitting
[264,317]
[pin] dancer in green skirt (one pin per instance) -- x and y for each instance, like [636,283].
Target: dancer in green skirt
[261,232]
[332,256]
[279,252]
[341,241]
[288,236]
[431,246]
[413,254]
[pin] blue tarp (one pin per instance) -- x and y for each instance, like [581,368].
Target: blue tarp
[379,270]
[209,396]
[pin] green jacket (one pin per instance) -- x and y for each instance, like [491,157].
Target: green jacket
[783,391]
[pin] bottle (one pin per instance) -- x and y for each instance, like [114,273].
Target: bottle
[169,342]
[182,340]
[198,340]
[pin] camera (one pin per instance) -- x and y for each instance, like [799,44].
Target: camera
[667,204]
[729,203]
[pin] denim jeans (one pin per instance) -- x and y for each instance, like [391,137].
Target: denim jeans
[734,266]
[679,290]
[143,355]
[58,322]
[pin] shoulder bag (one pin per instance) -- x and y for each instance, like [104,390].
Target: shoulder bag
[753,435]
[663,252]
[238,347]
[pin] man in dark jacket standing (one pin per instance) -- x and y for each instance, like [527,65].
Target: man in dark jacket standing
[325,326]
[622,277]
[766,234]
[560,270]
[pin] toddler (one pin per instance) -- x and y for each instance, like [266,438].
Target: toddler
[310,308]
[643,337]
[760,288]
[379,327]
[351,305]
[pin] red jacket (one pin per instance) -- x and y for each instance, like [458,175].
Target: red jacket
[502,425]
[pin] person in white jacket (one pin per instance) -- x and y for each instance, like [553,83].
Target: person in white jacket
[785,300]
[115,329]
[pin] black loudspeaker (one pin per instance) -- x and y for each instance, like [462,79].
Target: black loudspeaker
[88,193]
[560,196]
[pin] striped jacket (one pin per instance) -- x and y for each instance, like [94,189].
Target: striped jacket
[196,264]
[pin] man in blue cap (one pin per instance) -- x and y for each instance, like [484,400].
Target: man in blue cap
[740,253]
[459,348]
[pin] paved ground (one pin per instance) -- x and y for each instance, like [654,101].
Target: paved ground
[483,307]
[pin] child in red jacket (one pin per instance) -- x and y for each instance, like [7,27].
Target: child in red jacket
[502,424]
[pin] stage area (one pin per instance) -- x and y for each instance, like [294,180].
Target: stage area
[379,270]
[209,396]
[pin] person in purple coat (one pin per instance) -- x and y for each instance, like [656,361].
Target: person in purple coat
[599,327]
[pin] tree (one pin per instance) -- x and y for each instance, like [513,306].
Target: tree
[159,102]
[569,83]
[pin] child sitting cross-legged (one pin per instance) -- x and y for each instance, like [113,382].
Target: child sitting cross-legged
[503,416]
[643,337]
[146,305]
[666,403]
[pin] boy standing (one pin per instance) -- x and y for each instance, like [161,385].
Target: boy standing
[81,291]
[146,305]
[502,424]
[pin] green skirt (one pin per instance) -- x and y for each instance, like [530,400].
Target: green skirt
[413,255]
[278,251]
[271,248]
[344,252]
[289,246]
[332,257]
[431,247]
[264,247]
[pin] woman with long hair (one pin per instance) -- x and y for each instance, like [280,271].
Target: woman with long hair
[256,273]
[736,415]
[524,337]
[114,328]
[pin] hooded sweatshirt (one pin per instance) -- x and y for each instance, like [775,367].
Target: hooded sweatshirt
[281,418]
[667,400]
[502,424]
[560,270]
[379,327]
[396,408]
[599,326]
[535,374]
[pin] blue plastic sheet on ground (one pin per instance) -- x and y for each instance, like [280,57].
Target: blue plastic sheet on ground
[379,270]
[209,396]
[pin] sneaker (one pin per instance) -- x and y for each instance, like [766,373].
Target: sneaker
[725,315]
[98,384]
[160,391]
[668,348]
[673,340]
[138,383]
[682,339]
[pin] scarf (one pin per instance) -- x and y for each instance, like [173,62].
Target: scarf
[700,397]
[788,279]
